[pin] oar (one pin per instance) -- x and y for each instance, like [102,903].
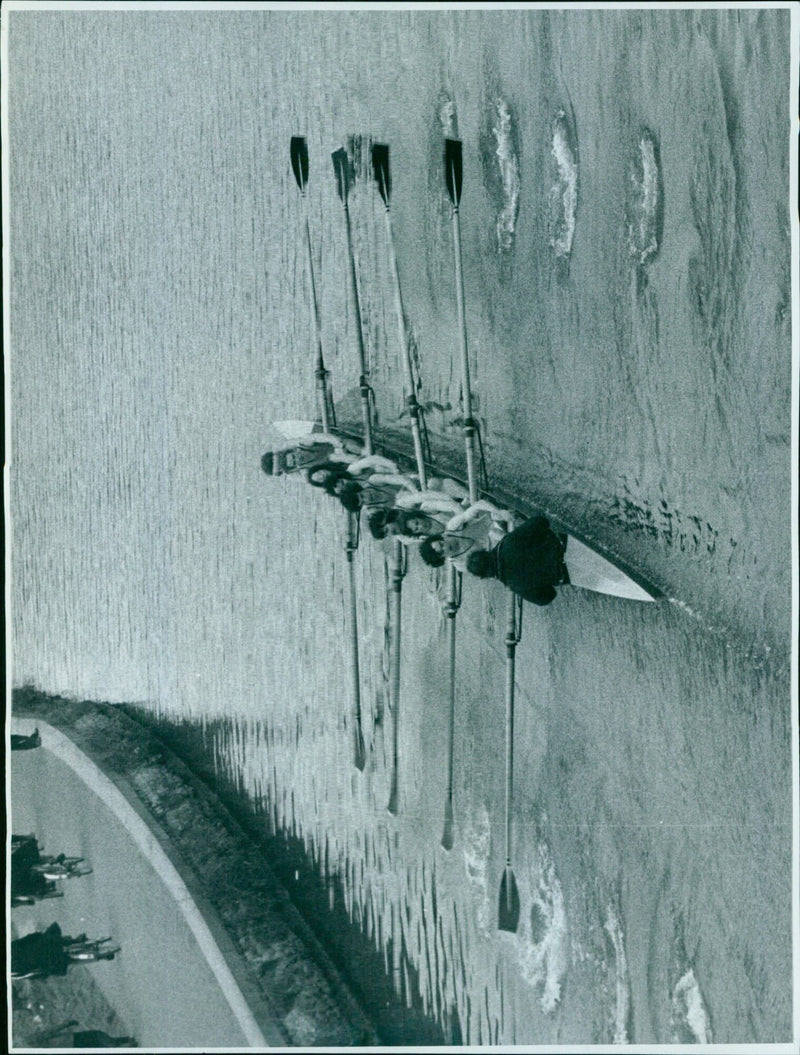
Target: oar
[342,168]
[398,571]
[359,752]
[508,907]
[382,173]
[451,608]
[299,155]
[380,168]
[453,172]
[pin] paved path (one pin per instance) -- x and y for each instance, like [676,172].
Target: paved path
[170,984]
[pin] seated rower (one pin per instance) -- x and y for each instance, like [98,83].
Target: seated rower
[375,482]
[482,525]
[408,525]
[371,482]
[439,504]
[415,516]
[308,452]
[529,561]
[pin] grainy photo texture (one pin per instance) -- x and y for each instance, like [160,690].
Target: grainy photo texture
[402,564]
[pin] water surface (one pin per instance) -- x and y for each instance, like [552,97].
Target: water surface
[626,258]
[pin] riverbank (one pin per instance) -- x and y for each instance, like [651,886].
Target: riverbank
[291,985]
[38,1006]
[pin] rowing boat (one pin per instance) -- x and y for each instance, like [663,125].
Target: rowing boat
[588,567]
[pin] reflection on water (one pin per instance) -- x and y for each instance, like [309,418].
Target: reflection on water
[158,269]
[628,774]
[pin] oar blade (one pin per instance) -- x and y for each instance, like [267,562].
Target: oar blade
[394,796]
[448,835]
[453,169]
[508,907]
[380,169]
[299,155]
[343,171]
[359,750]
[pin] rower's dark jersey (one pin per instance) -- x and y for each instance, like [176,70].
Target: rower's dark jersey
[530,561]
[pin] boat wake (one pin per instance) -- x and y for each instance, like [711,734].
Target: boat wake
[644,206]
[508,165]
[564,190]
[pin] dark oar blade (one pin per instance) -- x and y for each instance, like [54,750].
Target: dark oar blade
[508,908]
[394,797]
[359,751]
[449,827]
[380,168]
[341,167]
[453,169]
[299,154]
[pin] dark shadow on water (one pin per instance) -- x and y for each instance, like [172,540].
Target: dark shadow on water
[398,1018]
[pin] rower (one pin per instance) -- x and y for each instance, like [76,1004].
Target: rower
[415,516]
[307,453]
[529,561]
[482,525]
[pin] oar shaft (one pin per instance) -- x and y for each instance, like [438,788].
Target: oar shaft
[469,424]
[397,595]
[321,372]
[511,644]
[405,352]
[452,720]
[363,381]
[354,666]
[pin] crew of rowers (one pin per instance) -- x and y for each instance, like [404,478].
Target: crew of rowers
[480,538]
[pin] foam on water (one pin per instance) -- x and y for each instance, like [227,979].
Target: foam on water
[447,119]
[645,202]
[622,1004]
[689,1021]
[564,192]
[476,842]
[508,163]
[542,938]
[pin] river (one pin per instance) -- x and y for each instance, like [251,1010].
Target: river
[627,266]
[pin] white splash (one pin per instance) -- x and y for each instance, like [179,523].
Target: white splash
[688,1008]
[447,119]
[509,174]
[564,193]
[622,1005]
[542,939]
[643,211]
[476,843]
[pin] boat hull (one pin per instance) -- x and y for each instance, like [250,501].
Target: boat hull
[588,568]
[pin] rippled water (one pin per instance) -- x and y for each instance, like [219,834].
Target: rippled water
[626,254]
